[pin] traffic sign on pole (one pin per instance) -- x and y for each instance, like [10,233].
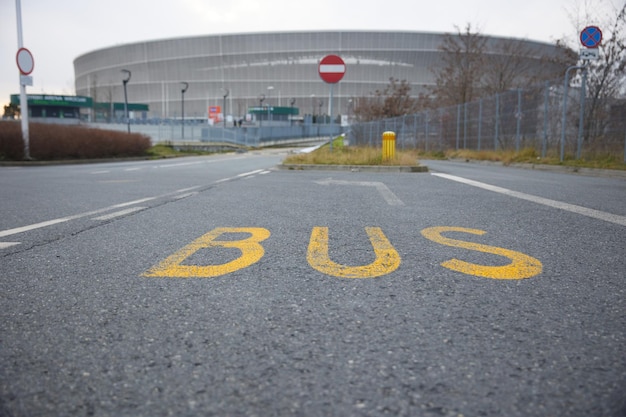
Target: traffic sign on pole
[25,61]
[591,36]
[332,69]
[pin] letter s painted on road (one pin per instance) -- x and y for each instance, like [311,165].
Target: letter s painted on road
[521,266]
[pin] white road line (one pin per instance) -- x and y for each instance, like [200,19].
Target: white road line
[99,172]
[596,214]
[245,174]
[4,245]
[17,230]
[387,194]
[185,195]
[132,169]
[40,225]
[119,213]
[184,190]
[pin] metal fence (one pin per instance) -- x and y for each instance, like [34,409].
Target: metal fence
[537,117]
[248,135]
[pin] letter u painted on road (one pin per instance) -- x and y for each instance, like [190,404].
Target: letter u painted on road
[387,258]
[250,247]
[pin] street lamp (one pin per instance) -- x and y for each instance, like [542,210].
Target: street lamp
[261,99]
[125,81]
[182,103]
[269,92]
[226,92]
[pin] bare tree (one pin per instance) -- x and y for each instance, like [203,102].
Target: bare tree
[460,77]
[469,72]
[395,100]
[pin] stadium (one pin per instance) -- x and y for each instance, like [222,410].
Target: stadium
[239,72]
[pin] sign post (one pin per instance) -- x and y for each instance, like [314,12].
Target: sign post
[26,64]
[331,70]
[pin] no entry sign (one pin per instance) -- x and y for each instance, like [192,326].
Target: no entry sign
[25,61]
[332,69]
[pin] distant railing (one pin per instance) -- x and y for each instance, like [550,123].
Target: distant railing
[247,135]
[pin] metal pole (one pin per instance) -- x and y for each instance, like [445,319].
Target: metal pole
[465,126]
[582,115]
[330,110]
[226,92]
[544,142]
[495,138]
[480,121]
[23,96]
[125,81]
[519,119]
[458,125]
[182,104]
[564,119]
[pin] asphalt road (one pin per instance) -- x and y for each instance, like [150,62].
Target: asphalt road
[221,286]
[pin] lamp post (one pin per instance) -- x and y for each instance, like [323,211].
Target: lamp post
[269,93]
[226,92]
[261,99]
[125,81]
[182,104]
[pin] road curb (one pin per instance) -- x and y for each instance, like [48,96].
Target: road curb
[352,168]
[564,169]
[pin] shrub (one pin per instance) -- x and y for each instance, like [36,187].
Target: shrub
[53,142]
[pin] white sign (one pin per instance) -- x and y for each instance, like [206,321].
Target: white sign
[589,53]
[26,80]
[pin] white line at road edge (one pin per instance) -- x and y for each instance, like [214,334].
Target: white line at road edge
[596,214]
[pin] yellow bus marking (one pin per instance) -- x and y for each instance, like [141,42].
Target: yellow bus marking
[521,266]
[251,252]
[387,258]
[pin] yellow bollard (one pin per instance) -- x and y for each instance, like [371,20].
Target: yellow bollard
[389,146]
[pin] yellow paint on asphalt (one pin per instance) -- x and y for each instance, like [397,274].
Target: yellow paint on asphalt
[521,266]
[251,252]
[387,258]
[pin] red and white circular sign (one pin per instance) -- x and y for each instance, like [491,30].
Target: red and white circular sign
[332,69]
[25,61]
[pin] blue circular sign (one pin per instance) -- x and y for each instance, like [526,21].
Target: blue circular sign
[591,36]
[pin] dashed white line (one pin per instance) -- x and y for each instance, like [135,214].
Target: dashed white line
[4,245]
[119,213]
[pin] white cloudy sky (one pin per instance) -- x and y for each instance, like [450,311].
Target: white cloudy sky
[57,31]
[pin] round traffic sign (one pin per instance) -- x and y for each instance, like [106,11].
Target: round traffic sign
[331,69]
[591,36]
[25,61]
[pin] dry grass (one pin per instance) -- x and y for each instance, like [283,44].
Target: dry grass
[342,155]
[605,160]
[54,142]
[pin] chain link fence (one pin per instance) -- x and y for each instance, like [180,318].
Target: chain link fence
[536,117]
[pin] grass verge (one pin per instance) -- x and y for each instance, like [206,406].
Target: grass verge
[348,155]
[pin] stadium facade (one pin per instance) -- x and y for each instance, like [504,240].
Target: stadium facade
[281,67]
